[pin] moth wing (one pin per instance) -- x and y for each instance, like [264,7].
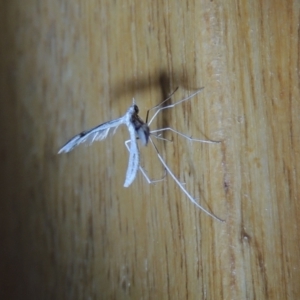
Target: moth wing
[97,133]
[134,159]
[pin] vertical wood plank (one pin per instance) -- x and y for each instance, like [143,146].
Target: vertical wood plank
[69,230]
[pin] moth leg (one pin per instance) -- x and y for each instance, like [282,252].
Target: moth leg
[180,185]
[181,134]
[160,108]
[185,136]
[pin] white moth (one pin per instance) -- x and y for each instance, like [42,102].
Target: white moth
[137,129]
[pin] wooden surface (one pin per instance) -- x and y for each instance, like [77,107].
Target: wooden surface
[69,230]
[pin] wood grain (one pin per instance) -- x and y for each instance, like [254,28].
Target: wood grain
[69,230]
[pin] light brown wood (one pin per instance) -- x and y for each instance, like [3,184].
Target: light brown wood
[70,230]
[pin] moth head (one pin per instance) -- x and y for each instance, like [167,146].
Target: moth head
[136,109]
[134,106]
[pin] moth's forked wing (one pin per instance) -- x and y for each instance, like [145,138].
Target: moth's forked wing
[134,159]
[97,133]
